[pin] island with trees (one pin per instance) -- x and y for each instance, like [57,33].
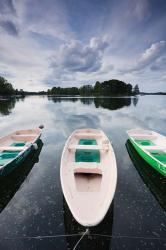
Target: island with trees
[112,87]
[107,88]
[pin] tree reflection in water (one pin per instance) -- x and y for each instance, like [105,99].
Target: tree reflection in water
[8,104]
[111,103]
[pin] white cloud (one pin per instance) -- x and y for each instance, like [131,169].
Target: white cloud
[46,18]
[23,62]
[159,64]
[77,57]
[97,43]
[147,57]
[86,42]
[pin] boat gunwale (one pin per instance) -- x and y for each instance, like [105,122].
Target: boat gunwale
[22,151]
[95,222]
[145,150]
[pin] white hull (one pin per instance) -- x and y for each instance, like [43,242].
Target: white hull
[88,187]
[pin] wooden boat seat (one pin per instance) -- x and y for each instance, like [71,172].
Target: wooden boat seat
[8,148]
[87,135]
[143,137]
[89,147]
[87,168]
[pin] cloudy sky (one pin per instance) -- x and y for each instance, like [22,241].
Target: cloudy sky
[45,43]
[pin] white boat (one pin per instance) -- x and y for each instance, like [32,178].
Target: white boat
[88,175]
[15,147]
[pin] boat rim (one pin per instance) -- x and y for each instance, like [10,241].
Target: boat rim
[96,222]
[144,150]
[21,152]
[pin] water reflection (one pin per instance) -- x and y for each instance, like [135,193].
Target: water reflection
[154,181]
[62,99]
[10,184]
[38,209]
[7,105]
[135,101]
[92,240]
[110,103]
[87,101]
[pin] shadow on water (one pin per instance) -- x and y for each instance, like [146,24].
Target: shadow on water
[154,181]
[93,240]
[10,184]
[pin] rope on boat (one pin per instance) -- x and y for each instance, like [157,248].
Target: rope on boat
[87,231]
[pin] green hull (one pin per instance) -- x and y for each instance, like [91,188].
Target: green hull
[150,160]
[11,183]
[7,169]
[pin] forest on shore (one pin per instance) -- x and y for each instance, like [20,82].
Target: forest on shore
[112,87]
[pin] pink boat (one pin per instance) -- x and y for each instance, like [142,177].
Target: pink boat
[88,175]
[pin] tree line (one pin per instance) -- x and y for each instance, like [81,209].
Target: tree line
[6,88]
[107,88]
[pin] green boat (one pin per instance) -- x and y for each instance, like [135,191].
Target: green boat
[15,147]
[151,146]
[11,183]
[155,182]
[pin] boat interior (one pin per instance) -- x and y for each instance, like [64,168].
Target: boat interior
[13,144]
[155,145]
[88,149]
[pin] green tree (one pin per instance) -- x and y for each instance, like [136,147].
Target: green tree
[86,90]
[6,88]
[97,88]
[136,90]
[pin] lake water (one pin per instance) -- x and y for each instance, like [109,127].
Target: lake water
[31,199]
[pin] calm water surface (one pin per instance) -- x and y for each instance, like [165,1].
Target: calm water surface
[31,199]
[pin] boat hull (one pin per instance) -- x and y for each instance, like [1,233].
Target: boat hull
[10,184]
[153,179]
[7,169]
[152,162]
[89,191]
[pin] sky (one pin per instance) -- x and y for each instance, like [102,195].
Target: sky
[46,43]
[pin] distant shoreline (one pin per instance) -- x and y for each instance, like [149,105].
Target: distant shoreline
[155,93]
[6,97]
[109,88]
